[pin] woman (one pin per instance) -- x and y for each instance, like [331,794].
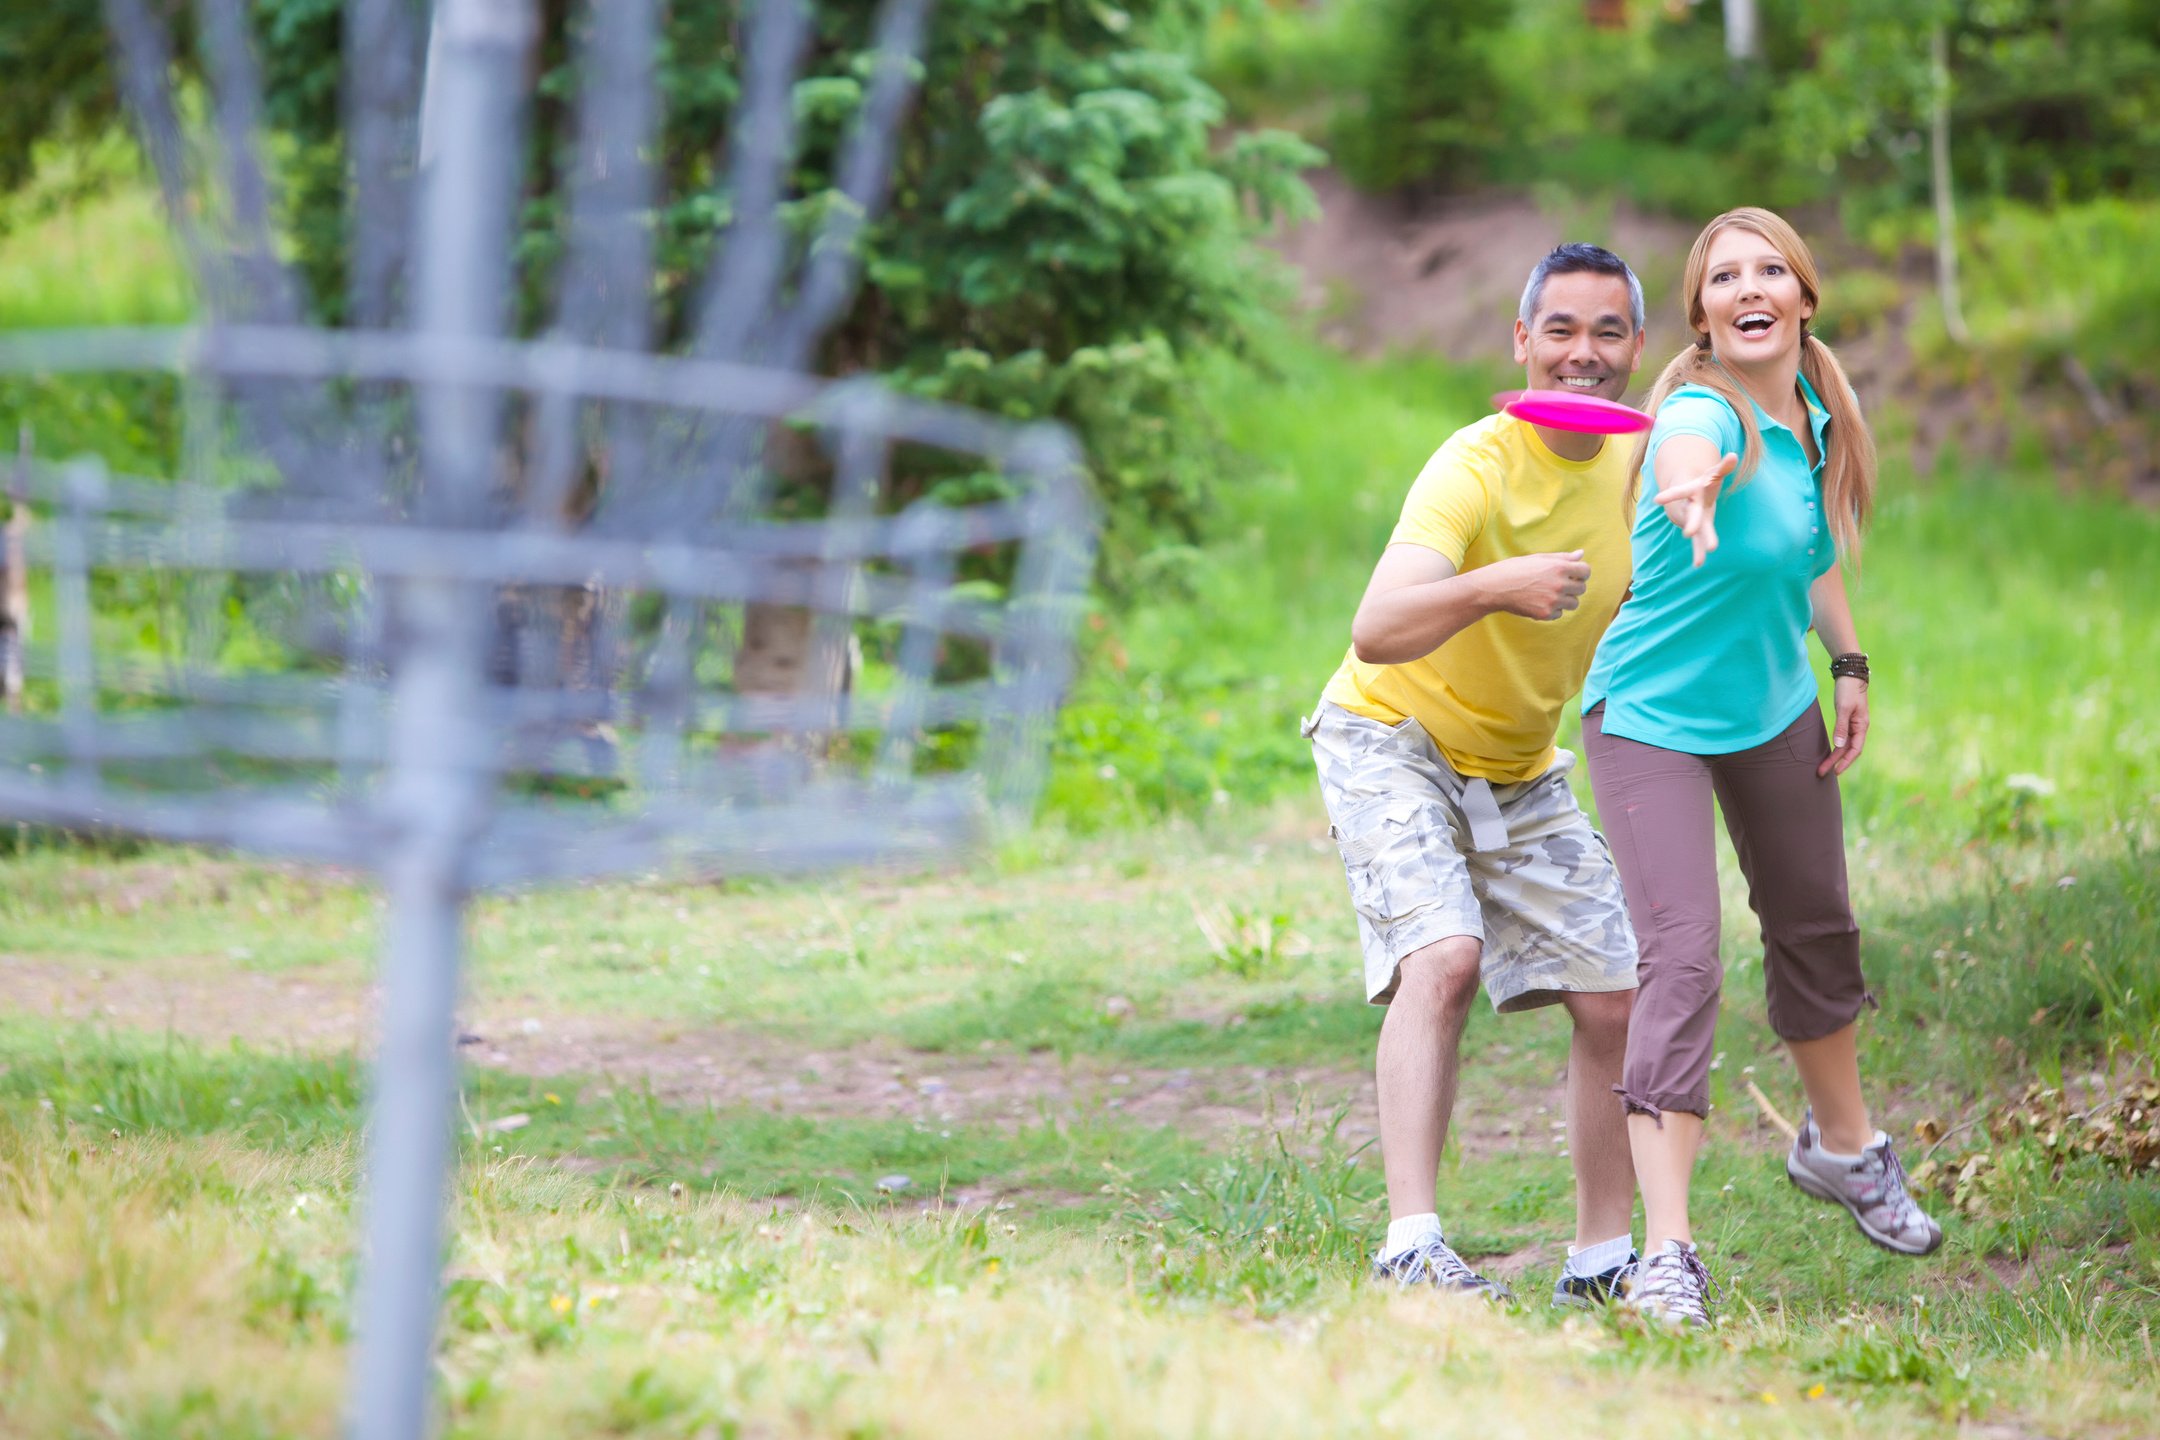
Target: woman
[1764,474]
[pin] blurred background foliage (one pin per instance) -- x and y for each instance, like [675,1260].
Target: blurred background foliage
[1079,230]
[1065,231]
[2050,100]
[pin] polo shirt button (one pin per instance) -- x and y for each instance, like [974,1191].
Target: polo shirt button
[1814,529]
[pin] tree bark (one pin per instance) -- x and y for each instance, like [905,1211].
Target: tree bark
[1743,37]
[15,591]
[1946,260]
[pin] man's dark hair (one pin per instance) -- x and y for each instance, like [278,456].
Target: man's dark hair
[1580,259]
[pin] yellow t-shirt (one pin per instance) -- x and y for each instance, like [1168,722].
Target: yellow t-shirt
[1491,696]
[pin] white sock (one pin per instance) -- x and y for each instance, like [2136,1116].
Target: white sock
[1410,1232]
[1599,1258]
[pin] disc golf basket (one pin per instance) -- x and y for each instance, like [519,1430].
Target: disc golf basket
[471,608]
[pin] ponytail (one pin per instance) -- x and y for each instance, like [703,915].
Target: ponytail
[1849,467]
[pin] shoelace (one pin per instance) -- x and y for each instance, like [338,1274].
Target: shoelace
[1437,1259]
[1889,1190]
[1676,1282]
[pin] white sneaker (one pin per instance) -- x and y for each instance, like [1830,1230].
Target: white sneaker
[1432,1263]
[1872,1188]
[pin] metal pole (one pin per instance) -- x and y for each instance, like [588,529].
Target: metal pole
[409,1145]
[439,789]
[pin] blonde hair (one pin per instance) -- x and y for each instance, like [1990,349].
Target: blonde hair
[1849,471]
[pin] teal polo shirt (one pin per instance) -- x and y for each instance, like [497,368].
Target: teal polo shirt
[1712,660]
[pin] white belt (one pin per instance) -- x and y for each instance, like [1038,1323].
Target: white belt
[1488,831]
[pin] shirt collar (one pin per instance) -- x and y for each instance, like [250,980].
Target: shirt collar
[1818,415]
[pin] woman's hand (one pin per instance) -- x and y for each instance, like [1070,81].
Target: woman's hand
[1692,504]
[1849,737]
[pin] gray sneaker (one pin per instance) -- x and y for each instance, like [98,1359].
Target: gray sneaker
[1432,1263]
[1872,1189]
[1670,1286]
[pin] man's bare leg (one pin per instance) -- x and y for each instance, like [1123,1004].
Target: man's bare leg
[1596,1121]
[1419,1056]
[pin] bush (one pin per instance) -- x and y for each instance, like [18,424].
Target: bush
[1064,233]
[1428,100]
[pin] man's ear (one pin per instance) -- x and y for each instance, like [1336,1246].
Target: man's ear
[1522,342]
[1635,363]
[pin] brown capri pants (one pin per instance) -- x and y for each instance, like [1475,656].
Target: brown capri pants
[1788,829]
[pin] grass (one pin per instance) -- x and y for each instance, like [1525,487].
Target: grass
[778,1290]
[165,1274]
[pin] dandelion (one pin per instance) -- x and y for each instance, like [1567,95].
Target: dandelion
[1817,1390]
[560,1304]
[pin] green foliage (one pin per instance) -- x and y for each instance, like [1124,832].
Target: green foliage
[1065,232]
[54,85]
[2050,100]
[2047,285]
[1427,101]
[1661,115]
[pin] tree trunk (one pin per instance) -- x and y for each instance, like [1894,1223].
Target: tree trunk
[1743,38]
[15,591]
[792,650]
[1946,260]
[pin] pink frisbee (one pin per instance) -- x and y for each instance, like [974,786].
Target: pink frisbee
[1566,410]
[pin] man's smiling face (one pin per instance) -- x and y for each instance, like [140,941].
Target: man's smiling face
[1582,339]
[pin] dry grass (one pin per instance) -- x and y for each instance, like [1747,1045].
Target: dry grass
[161,1287]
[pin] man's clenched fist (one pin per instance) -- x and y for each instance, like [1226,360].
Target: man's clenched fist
[1537,587]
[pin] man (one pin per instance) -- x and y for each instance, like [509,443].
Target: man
[1466,852]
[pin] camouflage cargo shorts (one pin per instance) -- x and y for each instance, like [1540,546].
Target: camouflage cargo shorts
[1430,854]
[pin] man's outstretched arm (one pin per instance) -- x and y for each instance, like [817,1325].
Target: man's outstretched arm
[1416,602]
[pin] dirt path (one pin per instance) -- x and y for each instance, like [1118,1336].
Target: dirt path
[734,1067]
[1388,274]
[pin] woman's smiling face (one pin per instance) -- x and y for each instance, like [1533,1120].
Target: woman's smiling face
[1753,305]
